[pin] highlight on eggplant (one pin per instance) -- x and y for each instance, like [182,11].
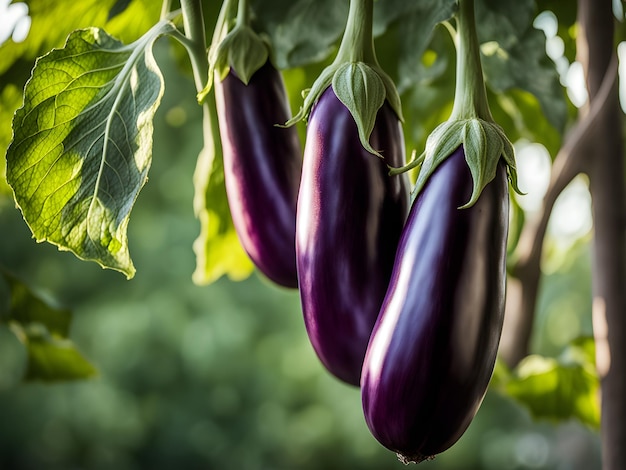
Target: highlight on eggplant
[434,345]
[349,219]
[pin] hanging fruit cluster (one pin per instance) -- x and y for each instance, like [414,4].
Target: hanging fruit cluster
[402,296]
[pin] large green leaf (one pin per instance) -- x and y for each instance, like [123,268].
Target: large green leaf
[82,143]
[407,28]
[557,389]
[514,55]
[217,248]
[301,31]
[53,20]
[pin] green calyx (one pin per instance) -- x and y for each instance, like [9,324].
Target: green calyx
[244,51]
[484,144]
[356,78]
[240,48]
[470,124]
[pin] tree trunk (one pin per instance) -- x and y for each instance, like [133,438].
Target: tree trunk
[605,166]
[525,274]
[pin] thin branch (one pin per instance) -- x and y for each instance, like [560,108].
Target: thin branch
[194,30]
[568,163]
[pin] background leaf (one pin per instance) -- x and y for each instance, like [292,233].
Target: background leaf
[82,143]
[557,389]
[408,28]
[24,308]
[301,31]
[43,330]
[524,91]
[428,103]
[523,117]
[10,99]
[45,33]
[514,55]
[53,359]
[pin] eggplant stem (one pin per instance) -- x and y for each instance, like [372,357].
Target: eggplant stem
[243,13]
[193,22]
[413,163]
[470,96]
[357,44]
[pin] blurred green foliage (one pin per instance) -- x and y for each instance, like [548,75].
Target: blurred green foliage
[43,331]
[556,389]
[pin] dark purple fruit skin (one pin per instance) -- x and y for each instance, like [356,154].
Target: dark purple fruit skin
[349,220]
[433,349]
[262,167]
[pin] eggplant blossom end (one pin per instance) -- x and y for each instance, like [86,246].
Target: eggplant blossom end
[409,459]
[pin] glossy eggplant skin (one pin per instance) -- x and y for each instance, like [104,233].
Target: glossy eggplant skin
[262,169]
[434,345]
[350,216]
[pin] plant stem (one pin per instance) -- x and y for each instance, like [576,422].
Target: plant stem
[193,21]
[194,30]
[165,8]
[357,44]
[243,13]
[470,96]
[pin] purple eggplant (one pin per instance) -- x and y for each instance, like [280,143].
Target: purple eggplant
[262,166]
[350,216]
[434,345]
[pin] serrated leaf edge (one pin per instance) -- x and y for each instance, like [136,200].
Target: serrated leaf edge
[138,48]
